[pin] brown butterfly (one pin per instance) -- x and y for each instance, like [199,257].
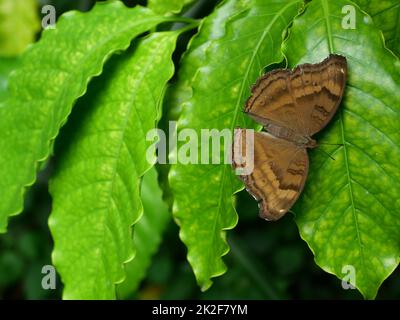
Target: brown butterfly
[292,105]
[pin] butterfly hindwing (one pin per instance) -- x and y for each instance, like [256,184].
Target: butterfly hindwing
[279,173]
[292,105]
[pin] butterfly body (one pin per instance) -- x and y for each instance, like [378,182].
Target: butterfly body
[292,105]
[290,135]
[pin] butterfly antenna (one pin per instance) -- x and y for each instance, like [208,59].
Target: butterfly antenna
[327,154]
[332,144]
[292,212]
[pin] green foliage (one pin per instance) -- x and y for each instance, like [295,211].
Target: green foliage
[6,66]
[234,35]
[108,218]
[386,16]
[168,7]
[26,248]
[19,23]
[346,217]
[59,68]
[96,187]
[147,235]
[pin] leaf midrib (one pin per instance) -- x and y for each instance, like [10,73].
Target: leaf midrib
[237,108]
[325,7]
[89,57]
[122,140]
[54,126]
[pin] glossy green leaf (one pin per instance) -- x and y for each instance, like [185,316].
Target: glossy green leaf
[168,7]
[349,213]
[53,74]
[6,66]
[147,234]
[233,46]
[96,186]
[19,23]
[386,16]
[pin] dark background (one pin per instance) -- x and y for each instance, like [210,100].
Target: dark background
[266,261]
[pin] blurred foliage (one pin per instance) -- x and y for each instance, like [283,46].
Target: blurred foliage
[19,22]
[170,6]
[26,248]
[6,66]
[267,261]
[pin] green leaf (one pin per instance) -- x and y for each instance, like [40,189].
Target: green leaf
[233,46]
[349,213]
[386,16]
[168,7]
[6,66]
[147,234]
[53,74]
[96,186]
[19,23]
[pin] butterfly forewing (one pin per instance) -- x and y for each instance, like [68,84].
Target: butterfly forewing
[292,105]
[303,100]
